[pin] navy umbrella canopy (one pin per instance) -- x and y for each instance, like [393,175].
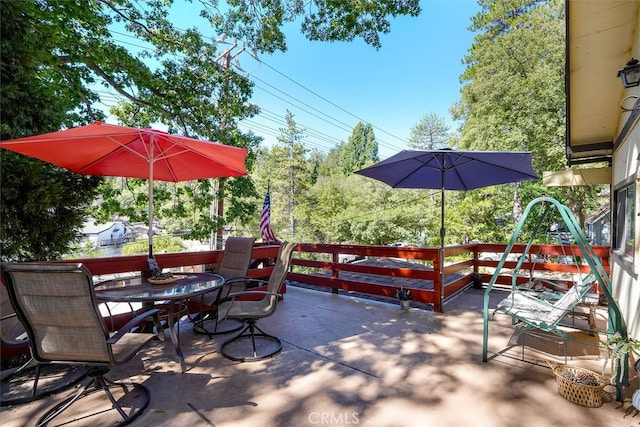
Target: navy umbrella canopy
[452,170]
[449,169]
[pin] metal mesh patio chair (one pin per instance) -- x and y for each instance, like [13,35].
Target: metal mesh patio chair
[263,345]
[30,380]
[234,266]
[56,304]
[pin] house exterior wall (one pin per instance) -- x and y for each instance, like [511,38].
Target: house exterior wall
[600,232]
[110,234]
[625,269]
[113,234]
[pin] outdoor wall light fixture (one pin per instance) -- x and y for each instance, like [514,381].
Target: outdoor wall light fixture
[630,74]
[626,99]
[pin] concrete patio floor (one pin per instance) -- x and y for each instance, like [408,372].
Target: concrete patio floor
[352,361]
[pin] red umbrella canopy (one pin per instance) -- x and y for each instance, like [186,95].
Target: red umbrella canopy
[111,150]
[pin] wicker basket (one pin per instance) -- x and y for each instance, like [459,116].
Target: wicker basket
[570,387]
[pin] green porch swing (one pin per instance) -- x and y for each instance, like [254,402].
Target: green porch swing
[543,310]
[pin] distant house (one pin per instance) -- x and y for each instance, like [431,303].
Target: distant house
[598,226]
[108,234]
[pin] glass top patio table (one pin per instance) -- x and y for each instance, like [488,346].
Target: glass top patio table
[138,289]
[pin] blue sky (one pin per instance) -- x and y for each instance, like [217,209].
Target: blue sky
[330,87]
[416,71]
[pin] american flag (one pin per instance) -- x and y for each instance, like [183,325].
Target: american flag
[266,232]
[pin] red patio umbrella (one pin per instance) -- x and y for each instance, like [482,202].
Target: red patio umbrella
[111,150]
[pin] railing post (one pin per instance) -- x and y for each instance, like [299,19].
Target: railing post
[335,272]
[438,288]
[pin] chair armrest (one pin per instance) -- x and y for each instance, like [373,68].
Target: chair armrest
[263,293]
[247,280]
[131,323]
[8,316]
[231,298]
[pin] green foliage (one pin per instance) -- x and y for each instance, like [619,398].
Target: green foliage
[355,209]
[620,350]
[361,149]
[513,98]
[43,207]
[289,175]
[85,250]
[331,163]
[56,54]
[319,212]
[430,133]
[183,207]
[259,22]
[162,243]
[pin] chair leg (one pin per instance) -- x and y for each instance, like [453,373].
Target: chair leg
[33,381]
[36,379]
[100,383]
[209,325]
[249,332]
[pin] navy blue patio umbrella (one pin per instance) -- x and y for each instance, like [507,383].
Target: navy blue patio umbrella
[449,169]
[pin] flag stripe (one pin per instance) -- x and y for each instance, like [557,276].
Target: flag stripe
[266,232]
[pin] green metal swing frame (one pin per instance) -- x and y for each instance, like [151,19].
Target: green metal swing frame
[615,321]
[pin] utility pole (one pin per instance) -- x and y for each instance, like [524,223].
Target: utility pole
[292,221]
[217,205]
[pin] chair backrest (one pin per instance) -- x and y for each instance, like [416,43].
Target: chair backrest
[279,272]
[236,258]
[570,299]
[12,332]
[57,306]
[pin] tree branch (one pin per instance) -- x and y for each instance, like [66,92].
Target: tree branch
[125,17]
[96,68]
[82,95]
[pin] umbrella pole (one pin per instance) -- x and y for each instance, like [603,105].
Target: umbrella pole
[442,234]
[150,232]
[150,195]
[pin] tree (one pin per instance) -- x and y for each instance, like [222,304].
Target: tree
[259,22]
[41,206]
[162,243]
[297,174]
[513,97]
[360,149]
[430,133]
[59,56]
[330,164]
[56,55]
[321,207]
[286,170]
[204,100]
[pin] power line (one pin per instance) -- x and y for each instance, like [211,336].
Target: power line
[330,102]
[339,124]
[279,119]
[345,127]
[303,103]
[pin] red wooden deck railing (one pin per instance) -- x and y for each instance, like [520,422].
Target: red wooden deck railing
[318,264]
[460,262]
